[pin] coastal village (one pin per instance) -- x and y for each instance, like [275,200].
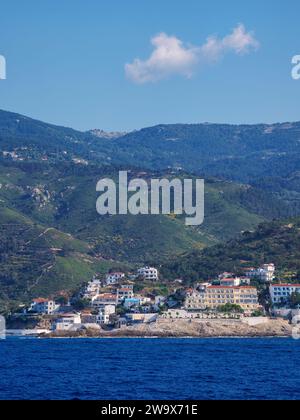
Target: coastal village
[119,302]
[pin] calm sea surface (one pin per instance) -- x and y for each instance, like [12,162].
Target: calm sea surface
[150,369]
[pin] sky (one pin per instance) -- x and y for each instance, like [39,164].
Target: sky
[122,65]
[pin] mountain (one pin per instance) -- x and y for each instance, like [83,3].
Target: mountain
[264,156]
[37,260]
[63,196]
[52,238]
[277,242]
[242,153]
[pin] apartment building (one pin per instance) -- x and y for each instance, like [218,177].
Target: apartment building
[281,293]
[149,273]
[212,297]
[104,299]
[114,278]
[92,289]
[43,306]
[125,292]
[105,313]
[69,322]
[265,274]
[196,300]
[235,281]
[245,296]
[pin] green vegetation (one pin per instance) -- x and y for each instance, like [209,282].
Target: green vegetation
[277,242]
[258,314]
[230,308]
[81,304]
[295,300]
[52,240]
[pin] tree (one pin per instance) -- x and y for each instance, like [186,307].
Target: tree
[61,300]
[295,300]
[81,304]
[229,308]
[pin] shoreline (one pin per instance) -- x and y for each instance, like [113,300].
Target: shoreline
[175,329]
[137,337]
[187,329]
[242,337]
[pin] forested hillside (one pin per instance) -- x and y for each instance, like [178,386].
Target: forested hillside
[277,242]
[52,238]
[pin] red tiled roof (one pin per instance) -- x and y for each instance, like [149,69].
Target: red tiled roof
[40,300]
[232,287]
[285,285]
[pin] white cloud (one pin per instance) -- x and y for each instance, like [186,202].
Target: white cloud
[172,57]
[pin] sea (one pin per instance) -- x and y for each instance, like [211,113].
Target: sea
[149,369]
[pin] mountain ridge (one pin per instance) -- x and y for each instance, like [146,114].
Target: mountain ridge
[48,177]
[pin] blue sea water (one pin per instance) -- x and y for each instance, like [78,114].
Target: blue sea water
[141,369]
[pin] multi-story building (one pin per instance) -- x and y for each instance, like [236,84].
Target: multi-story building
[144,300]
[230,281]
[245,296]
[105,313]
[148,273]
[196,300]
[114,278]
[125,292]
[265,274]
[43,306]
[68,322]
[92,289]
[212,297]
[104,299]
[281,293]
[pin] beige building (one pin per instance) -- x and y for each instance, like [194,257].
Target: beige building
[214,296]
[245,296]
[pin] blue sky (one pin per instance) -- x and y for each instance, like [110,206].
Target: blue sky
[66,62]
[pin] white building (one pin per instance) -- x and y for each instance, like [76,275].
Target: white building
[149,273]
[114,278]
[195,300]
[230,281]
[44,306]
[281,293]
[105,312]
[92,289]
[266,273]
[69,322]
[144,300]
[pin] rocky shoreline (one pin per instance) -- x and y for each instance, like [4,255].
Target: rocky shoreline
[188,329]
